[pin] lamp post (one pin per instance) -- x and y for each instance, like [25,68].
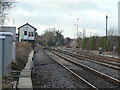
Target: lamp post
[74,31]
[106,31]
[77,27]
[74,36]
[77,32]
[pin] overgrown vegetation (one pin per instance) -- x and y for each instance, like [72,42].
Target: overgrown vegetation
[102,43]
[22,51]
[94,42]
[53,38]
[84,43]
[111,43]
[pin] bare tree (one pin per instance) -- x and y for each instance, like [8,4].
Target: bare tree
[112,38]
[113,31]
[5,5]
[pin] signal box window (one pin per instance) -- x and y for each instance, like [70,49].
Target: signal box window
[30,34]
[25,32]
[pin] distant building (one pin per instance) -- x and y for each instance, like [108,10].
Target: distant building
[26,33]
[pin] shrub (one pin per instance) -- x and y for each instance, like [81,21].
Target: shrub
[22,51]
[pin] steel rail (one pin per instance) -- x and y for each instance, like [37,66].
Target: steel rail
[117,60]
[113,59]
[116,81]
[76,75]
[116,63]
[85,58]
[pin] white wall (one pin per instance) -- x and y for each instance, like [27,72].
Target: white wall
[21,33]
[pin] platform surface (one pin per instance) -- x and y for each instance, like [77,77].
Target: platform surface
[25,75]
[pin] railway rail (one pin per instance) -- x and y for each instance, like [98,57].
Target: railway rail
[76,75]
[95,60]
[109,71]
[93,74]
[102,67]
[110,60]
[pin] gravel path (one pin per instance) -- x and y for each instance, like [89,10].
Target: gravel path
[51,75]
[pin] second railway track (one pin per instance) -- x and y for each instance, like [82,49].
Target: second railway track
[104,59]
[98,60]
[92,63]
[94,78]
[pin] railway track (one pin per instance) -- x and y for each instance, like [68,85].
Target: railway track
[102,62]
[93,78]
[105,68]
[102,68]
[110,60]
[113,59]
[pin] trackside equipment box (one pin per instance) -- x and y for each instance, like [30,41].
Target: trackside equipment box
[2,49]
[7,55]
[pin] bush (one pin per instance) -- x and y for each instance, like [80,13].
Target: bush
[22,52]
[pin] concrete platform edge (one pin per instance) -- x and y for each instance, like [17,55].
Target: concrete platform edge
[25,75]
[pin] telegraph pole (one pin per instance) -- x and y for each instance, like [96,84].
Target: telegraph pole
[77,27]
[74,35]
[77,32]
[106,31]
[74,31]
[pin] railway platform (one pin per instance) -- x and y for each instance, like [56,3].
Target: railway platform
[25,75]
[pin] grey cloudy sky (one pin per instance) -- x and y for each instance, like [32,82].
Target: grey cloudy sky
[63,14]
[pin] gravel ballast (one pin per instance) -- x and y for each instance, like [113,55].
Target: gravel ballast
[109,71]
[49,74]
[92,78]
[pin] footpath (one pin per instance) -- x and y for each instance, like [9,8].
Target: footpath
[25,81]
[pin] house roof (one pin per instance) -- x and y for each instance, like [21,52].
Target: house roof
[28,25]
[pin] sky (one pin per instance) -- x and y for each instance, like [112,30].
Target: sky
[63,14]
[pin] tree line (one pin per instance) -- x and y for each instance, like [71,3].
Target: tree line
[55,38]
[52,38]
[94,42]
[109,43]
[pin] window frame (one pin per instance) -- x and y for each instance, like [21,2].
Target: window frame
[31,34]
[25,33]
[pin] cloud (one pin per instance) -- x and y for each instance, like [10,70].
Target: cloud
[63,14]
